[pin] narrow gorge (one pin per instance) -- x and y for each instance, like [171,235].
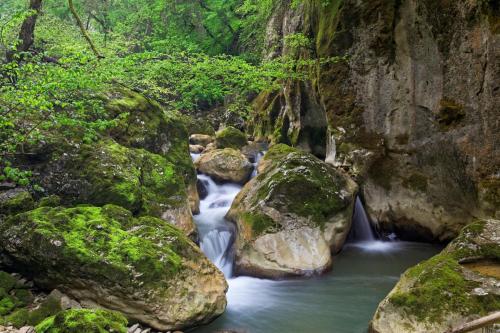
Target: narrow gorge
[249,166]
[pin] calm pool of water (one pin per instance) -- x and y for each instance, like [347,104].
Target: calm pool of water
[342,301]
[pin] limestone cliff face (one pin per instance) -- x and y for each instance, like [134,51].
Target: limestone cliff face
[413,110]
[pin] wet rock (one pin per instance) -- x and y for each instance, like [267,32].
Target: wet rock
[292,216]
[202,187]
[225,165]
[230,137]
[201,139]
[196,149]
[413,145]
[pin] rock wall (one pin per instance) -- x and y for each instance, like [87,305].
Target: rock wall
[413,108]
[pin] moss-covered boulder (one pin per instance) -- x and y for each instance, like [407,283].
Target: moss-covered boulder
[292,216]
[457,286]
[88,321]
[143,267]
[225,165]
[230,137]
[15,200]
[109,173]
[142,123]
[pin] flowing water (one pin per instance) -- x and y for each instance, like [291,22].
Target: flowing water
[342,301]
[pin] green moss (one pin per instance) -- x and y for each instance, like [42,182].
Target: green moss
[18,318]
[88,321]
[230,137]
[15,201]
[50,201]
[278,151]
[23,297]
[259,223]
[22,316]
[144,124]
[327,25]
[295,182]
[140,181]
[106,243]
[470,245]
[49,307]
[7,304]
[440,288]
[7,281]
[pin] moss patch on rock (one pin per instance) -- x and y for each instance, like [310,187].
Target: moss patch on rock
[143,123]
[16,304]
[230,137]
[106,256]
[297,185]
[15,201]
[109,173]
[441,285]
[439,288]
[88,321]
[93,240]
[450,113]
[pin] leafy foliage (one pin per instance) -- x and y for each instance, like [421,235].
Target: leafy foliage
[179,53]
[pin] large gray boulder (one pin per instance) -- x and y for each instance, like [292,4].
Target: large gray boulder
[227,165]
[292,216]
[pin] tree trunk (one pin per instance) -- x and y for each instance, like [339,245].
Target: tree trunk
[84,32]
[27,32]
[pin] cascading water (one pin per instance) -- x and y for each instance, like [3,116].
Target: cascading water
[362,234]
[342,301]
[216,234]
[361,227]
[331,149]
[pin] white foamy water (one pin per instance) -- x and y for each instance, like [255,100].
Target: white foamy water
[342,301]
[216,234]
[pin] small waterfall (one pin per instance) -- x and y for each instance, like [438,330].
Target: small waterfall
[258,157]
[361,230]
[216,234]
[363,235]
[331,149]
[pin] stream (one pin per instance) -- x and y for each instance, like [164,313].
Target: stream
[342,301]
